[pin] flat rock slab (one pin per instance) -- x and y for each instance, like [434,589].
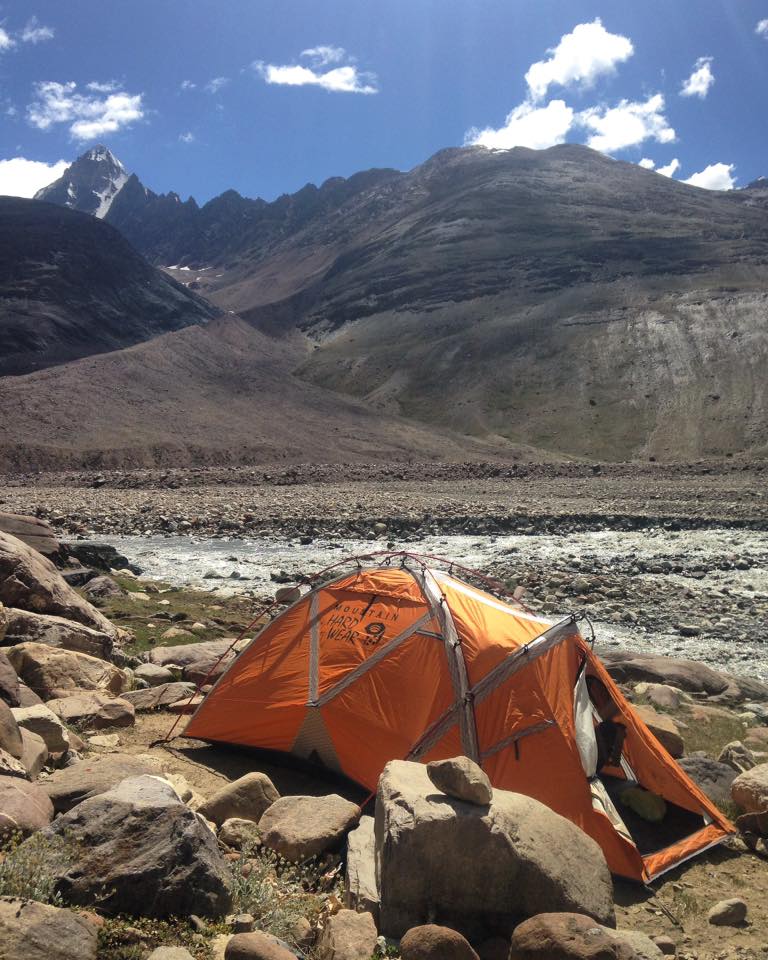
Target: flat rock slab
[185,654]
[89,778]
[35,931]
[53,673]
[94,711]
[25,626]
[711,776]
[138,850]
[33,531]
[299,828]
[156,698]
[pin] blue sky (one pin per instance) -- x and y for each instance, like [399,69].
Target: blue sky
[266,95]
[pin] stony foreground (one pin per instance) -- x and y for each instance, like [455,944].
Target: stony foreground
[117,846]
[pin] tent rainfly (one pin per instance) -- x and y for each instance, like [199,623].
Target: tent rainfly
[404,660]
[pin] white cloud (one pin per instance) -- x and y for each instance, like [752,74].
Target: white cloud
[580,57]
[88,116]
[187,85]
[717,176]
[527,126]
[670,169]
[108,87]
[36,32]
[214,85]
[20,177]
[6,41]
[323,55]
[341,79]
[626,125]
[700,81]
[187,137]
[762,29]
[646,164]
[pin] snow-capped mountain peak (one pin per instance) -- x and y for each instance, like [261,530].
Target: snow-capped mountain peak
[90,184]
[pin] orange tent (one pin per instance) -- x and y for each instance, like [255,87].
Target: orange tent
[407,661]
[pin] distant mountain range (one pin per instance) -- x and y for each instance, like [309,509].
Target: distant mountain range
[556,300]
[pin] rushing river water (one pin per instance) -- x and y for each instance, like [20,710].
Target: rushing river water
[245,566]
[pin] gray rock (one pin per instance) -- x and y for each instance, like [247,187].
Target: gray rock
[44,722]
[246,798]
[35,755]
[302,827]
[360,890]
[711,776]
[103,588]
[568,936]
[348,935]
[431,942]
[153,674]
[524,859]
[243,923]
[156,698]
[35,931]
[664,728]
[170,953]
[93,711]
[25,626]
[10,735]
[92,777]
[736,755]
[24,807]
[728,913]
[461,778]
[141,851]
[187,653]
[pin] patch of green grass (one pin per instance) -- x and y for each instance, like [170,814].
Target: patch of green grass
[222,616]
[711,733]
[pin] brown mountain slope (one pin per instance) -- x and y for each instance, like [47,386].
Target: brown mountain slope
[216,394]
[558,298]
[70,286]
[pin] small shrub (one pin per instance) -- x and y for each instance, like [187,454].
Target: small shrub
[29,869]
[278,893]
[131,938]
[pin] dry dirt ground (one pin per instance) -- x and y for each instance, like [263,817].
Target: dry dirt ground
[676,905]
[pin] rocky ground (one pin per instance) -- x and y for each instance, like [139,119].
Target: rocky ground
[116,659]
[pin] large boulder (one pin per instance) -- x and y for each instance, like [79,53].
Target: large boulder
[89,778]
[246,798]
[24,626]
[44,722]
[139,850]
[710,776]
[156,698]
[461,778]
[481,869]
[735,754]
[152,674]
[53,673]
[348,935]
[29,581]
[664,728]
[93,711]
[35,755]
[102,556]
[10,735]
[256,946]
[185,654]
[208,670]
[431,942]
[24,808]
[360,890]
[9,681]
[298,828]
[35,931]
[572,936]
[750,789]
[689,675]
[36,533]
